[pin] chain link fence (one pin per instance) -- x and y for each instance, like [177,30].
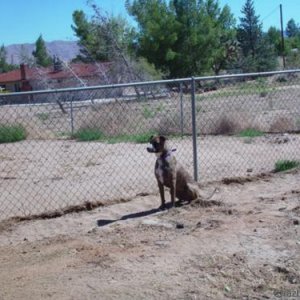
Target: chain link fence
[68,147]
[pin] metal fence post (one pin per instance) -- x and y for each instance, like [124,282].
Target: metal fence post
[194,129]
[72,118]
[181,108]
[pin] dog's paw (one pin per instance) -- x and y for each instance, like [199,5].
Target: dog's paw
[163,207]
[178,204]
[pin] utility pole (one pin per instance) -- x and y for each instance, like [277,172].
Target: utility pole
[282,37]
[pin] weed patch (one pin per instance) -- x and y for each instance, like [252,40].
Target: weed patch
[251,132]
[43,116]
[88,134]
[130,138]
[284,165]
[12,133]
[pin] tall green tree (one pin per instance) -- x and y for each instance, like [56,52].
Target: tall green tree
[250,30]
[40,53]
[100,34]
[274,37]
[184,37]
[157,31]
[109,38]
[91,44]
[4,66]
[292,29]
[257,53]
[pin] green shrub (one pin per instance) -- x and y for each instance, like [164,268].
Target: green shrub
[139,138]
[43,116]
[148,113]
[12,133]
[283,165]
[250,132]
[88,134]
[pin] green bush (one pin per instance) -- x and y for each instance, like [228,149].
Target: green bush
[140,138]
[283,165]
[88,134]
[12,133]
[250,132]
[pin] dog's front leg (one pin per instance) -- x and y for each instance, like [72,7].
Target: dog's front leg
[162,195]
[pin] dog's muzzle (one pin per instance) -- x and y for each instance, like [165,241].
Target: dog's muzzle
[151,150]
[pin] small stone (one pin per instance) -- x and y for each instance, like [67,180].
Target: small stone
[179,225]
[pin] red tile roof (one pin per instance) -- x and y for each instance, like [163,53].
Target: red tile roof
[11,76]
[78,69]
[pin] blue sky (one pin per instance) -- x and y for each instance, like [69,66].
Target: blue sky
[22,21]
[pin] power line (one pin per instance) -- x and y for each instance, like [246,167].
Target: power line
[271,13]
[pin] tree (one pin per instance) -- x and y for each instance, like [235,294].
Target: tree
[94,35]
[274,38]
[4,66]
[292,29]
[249,30]
[257,53]
[89,42]
[105,38]
[226,49]
[183,37]
[41,55]
[25,57]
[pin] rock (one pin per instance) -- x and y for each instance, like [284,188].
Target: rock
[179,225]
[296,222]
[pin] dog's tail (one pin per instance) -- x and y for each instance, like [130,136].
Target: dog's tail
[206,202]
[212,194]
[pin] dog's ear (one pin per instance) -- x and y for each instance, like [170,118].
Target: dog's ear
[151,137]
[162,138]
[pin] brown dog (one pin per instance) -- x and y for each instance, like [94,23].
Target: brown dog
[171,174]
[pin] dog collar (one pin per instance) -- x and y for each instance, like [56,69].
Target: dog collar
[168,153]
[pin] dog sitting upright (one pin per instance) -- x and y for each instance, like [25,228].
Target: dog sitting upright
[171,174]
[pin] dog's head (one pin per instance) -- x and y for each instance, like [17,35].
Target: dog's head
[157,144]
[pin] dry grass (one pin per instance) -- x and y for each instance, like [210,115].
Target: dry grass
[218,112]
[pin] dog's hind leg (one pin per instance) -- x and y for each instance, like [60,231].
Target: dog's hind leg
[193,191]
[173,191]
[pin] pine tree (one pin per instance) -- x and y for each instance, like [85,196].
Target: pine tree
[4,66]
[2,59]
[184,37]
[258,54]
[249,30]
[41,55]
[292,29]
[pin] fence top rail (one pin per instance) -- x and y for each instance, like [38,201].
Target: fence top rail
[144,83]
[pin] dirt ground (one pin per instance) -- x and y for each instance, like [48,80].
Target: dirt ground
[243,243]
[38,176]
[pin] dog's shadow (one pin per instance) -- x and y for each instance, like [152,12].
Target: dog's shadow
[104,222]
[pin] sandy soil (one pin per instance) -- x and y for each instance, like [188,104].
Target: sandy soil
[41,176]
[245,248]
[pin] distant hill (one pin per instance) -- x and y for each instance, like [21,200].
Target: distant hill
[65,50]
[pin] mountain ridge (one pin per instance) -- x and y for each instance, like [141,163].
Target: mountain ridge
[65,50]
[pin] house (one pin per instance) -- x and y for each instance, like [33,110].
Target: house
[59,75]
